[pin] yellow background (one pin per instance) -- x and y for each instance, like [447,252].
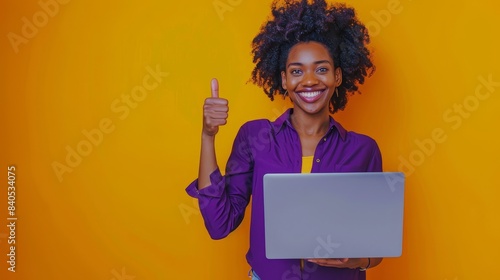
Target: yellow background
[123,212]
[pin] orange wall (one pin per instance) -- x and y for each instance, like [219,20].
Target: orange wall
[119,209]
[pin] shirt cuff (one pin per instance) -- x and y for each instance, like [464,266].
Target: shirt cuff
[215,189]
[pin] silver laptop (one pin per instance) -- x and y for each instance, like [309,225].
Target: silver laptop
[333,215]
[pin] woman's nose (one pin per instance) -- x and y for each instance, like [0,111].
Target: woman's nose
[310,79]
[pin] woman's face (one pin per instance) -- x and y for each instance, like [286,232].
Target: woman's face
[310,77]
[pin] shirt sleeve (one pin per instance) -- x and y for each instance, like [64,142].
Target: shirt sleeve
[223,203]
[375,163]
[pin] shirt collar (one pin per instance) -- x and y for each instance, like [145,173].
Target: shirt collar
[284,119]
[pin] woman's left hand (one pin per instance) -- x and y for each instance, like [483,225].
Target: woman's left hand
[352,263]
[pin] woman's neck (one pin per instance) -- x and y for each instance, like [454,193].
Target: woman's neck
[310,125]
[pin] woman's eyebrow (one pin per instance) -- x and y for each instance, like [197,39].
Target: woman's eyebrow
[300,64]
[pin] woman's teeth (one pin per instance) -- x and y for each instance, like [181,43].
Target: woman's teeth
[311,94]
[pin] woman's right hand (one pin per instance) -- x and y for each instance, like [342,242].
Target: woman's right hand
[215,111]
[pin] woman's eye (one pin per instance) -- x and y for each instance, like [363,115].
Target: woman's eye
[323,70]
[295,72]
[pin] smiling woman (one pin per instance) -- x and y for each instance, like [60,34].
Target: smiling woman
[310,77]
[316,54]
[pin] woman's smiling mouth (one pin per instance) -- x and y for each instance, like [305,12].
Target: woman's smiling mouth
[310,96]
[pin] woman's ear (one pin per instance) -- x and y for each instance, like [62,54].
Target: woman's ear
[283,80]
[338,77]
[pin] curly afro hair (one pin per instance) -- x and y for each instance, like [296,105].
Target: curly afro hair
[335,26]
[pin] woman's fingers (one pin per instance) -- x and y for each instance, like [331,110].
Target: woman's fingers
[340,263]
[216,101]
[328,262]
[351,263]
[215,107]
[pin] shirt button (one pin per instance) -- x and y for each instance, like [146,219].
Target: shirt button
[324,139]
[317,160]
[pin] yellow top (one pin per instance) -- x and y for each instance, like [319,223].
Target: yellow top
[307,164]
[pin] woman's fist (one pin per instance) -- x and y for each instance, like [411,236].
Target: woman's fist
[215,111]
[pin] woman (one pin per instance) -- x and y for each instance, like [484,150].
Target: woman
[316,55]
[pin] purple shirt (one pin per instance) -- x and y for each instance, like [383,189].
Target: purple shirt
[261,147]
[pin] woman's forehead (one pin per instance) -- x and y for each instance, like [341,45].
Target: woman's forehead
[308,52]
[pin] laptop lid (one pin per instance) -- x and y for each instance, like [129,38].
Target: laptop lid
[333,215]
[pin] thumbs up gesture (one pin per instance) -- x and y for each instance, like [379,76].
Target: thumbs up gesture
[215,111]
